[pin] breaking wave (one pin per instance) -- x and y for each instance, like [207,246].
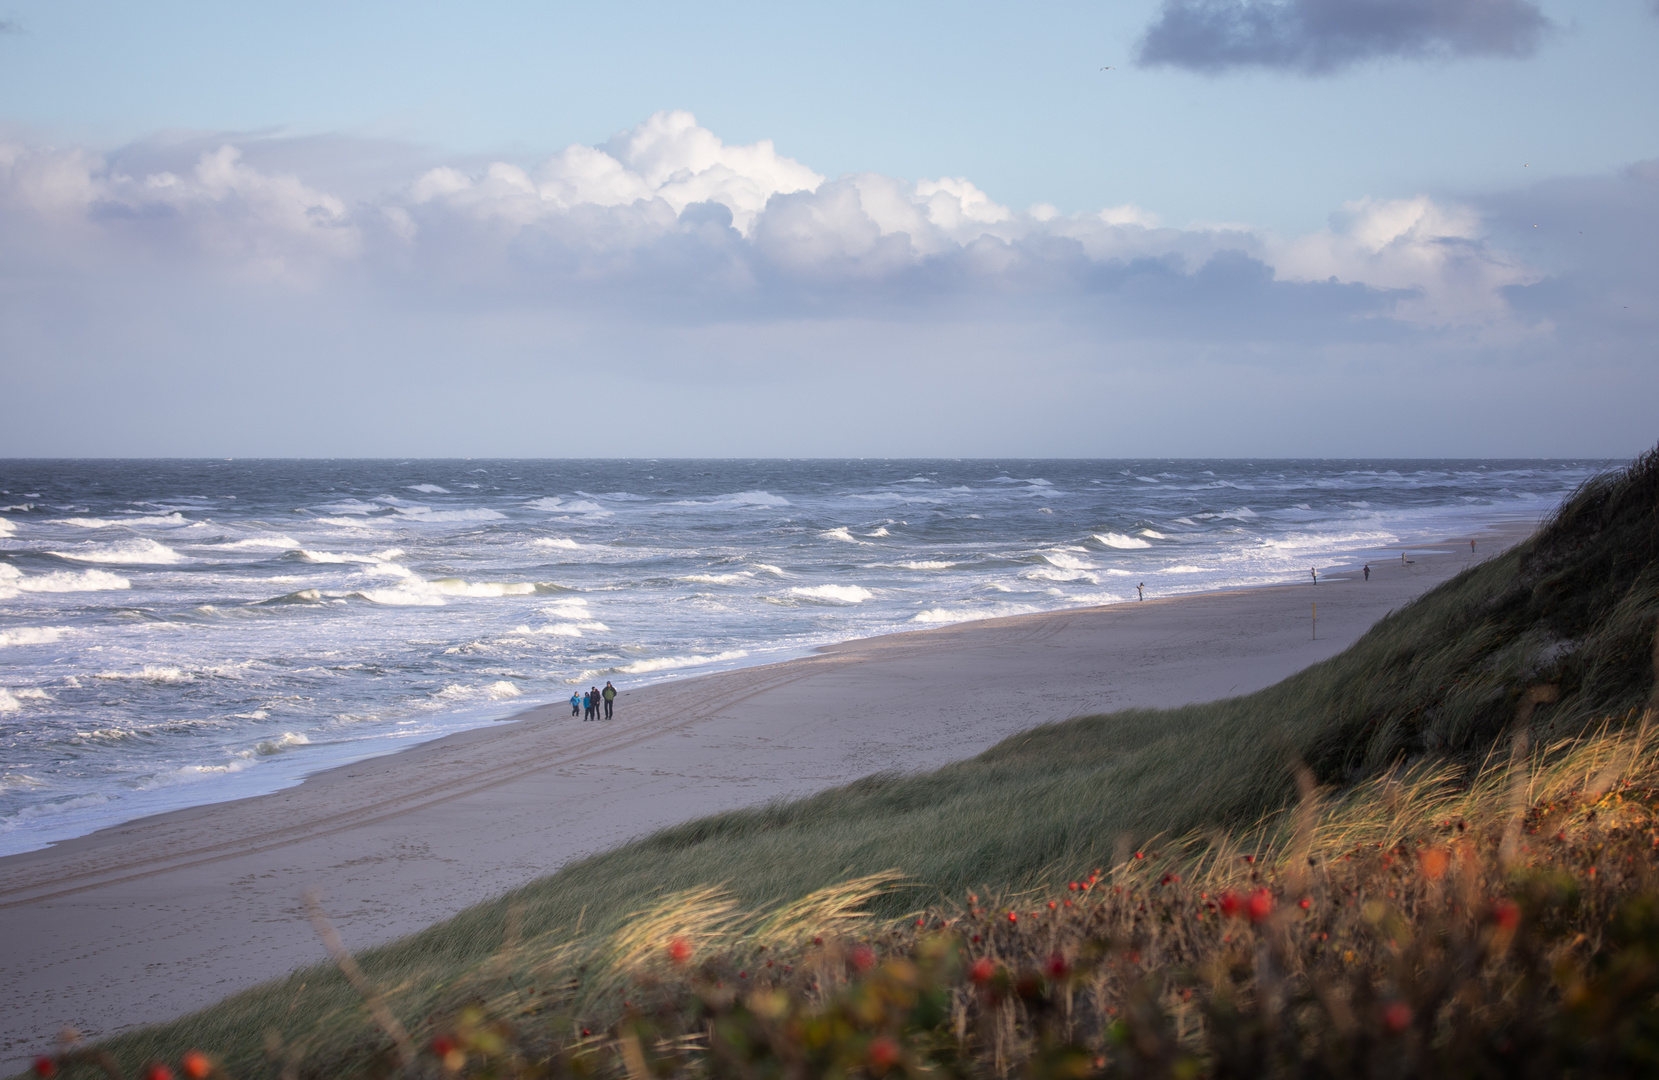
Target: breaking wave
[137,552]
[1122,542]
[843,594]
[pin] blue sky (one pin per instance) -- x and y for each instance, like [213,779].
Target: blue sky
[1300,198]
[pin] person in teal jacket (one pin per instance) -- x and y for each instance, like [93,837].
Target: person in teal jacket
[575,703]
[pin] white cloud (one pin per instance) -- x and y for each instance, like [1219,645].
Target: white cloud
[667,157]
[267,224]
[628,223]
[1435,250]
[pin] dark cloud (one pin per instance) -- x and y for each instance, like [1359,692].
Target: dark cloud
[1318,37]
[1599,238]
[10,26]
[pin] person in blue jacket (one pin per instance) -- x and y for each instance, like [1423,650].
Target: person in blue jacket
[575,703]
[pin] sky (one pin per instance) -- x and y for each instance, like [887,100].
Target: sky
[1321,228]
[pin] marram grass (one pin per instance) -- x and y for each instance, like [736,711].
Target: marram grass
[1501,923]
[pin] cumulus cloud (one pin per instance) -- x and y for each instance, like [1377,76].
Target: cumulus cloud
[1317,37]
[667,217]
[1435,254]
[155,294]
[266,225]
[668,158]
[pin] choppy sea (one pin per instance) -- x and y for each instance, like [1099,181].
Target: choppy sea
[182,632]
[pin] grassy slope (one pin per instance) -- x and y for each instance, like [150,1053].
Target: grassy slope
[1573,608]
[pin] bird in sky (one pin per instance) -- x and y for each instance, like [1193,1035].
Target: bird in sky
[1107,69]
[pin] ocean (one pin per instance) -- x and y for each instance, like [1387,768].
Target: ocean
[174,633]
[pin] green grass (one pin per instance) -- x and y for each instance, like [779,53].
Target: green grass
[1572,610]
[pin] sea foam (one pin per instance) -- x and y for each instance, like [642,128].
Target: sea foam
[1122,542]
[138,552]
[32,635]
[14,581]
[843,594]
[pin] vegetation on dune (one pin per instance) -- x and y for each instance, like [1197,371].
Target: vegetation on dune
[1424,923]
[1483,933]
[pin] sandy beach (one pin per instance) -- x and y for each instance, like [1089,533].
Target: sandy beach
[151,919]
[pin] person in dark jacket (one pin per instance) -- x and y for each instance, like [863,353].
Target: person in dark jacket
[609,694]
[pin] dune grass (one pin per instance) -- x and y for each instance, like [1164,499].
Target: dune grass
[1551,636]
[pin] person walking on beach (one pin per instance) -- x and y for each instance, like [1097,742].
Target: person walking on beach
[575,703]
[609,694]
[1367,571]
[1140,590]
[593,696]
[1471,547]
[1315,573]
[587,708]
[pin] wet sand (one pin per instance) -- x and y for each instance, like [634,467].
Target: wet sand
[148,920]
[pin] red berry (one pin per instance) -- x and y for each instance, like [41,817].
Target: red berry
[1072,886]
[1013,917]
[158,1071]
[1506,913]
[45,1066]
[863,957]
[1230,905]
[1052,905]
[1260,905]
[1304,903]
[679,950]
[1140,855]
[586,1033]
[1057,966]
[195,1065]
[1397,1017]
[442,1046]
[884,1053]
[982,970]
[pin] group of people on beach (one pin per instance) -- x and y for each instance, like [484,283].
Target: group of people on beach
[589,704]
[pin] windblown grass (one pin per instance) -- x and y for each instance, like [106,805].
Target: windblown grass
[1546,640]
[1504,922]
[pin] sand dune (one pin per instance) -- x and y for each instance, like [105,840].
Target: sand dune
[151,919]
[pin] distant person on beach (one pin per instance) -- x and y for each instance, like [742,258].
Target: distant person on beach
[575,703]
[609,694]
[1315,573]
[593,696]
[587,708]
[1471,547]
[1367,571]
[1141,590]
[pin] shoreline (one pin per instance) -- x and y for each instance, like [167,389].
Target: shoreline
[506,712]
[147,920]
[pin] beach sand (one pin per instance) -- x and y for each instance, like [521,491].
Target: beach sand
[149,920]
